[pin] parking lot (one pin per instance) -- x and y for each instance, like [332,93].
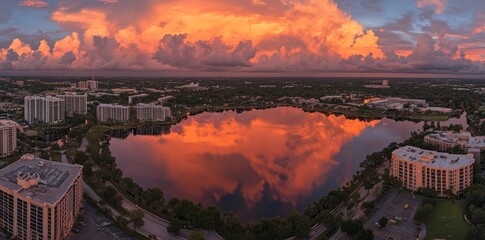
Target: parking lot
[400,207]
[91,227]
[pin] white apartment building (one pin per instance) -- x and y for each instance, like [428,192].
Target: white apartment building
[40,199]
[152,112]
[75,104]
[112,113]
[418,168]
[44,109]
[8,137]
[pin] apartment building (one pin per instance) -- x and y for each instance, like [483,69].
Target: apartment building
[152,112]
[8,137]
[40,199]
[446,140]
[418,168]
[75,104]
[44,109]
[112,113]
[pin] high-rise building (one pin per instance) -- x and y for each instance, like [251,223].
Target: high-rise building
[92,84]
[112,113]
[152,112]
[75,104]
[82,85]
[8,137]
[44,109]
[40,199]
[418,168]
[385,82]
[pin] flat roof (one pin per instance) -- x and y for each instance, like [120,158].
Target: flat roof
[55,178]
[434,159]
[7,123]
[112,105]
[476,142]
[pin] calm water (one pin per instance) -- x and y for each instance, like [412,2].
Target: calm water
[259,163]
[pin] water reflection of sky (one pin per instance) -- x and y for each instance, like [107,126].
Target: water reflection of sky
[259,163]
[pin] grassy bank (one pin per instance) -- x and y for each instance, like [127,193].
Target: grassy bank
[447,221]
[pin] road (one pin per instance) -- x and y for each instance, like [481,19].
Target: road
[320,228]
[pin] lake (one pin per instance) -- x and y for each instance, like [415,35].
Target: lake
[258,163]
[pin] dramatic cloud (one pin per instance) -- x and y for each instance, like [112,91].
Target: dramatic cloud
[248,35]
[109,1]
[34,3]
[438,4]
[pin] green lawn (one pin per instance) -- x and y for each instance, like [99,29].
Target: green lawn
[447,221]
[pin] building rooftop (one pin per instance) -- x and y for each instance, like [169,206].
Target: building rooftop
[476,142]
[7,123]
[112,105]
[41,180]
[434,159]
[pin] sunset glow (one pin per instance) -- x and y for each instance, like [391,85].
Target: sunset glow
[411,36]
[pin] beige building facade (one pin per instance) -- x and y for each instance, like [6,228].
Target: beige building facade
[8,137]
[418,168]
[40,199]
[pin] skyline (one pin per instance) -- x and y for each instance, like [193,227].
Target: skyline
[253,37]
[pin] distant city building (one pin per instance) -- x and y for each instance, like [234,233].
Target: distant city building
[44,109]
[395,103]
[75,104]
[8,137]
[124,90]
[92,84]
[436,109]
[112,113]
[445,141]
[418,168]
[40,199]
[385,82]
[82,85]
[152,112]
[131,98]
[192,86]
[165,99]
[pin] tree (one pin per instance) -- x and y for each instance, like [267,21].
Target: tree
[428,192]
[110,195]
[80,157]
[136,217]
[423,213]
[364,234]
[196,235]
[300,224]
[368,207]
[351,227]
[476,233]
[175,226]
[121,219]
[383,222]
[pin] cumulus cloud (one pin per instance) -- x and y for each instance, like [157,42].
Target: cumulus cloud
[109,1]
[439,5]
[270,35]
[34,3]
[176,51]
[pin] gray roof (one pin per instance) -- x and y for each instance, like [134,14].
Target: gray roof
[55,178]
[434,159]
